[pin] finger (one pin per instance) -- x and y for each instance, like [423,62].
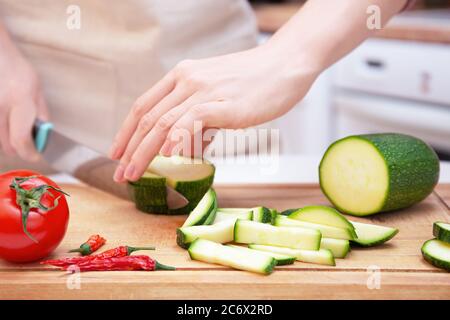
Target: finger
[152,143]
[167,149]
[4,135]
[175,98]
[206,142]
[196,121]
[21,120]
[142,105]
[164,121]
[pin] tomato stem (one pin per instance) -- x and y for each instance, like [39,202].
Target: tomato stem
[31,199]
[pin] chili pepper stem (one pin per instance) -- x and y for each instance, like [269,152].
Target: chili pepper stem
[130,250]
[160,266]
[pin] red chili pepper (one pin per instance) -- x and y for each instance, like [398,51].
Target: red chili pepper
[91,245]
[129,263]
[121,251]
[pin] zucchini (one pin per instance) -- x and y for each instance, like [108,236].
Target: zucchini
[281,259]
[327,231]
[204,212]
[259,214]
[149,193]
[338,247]
[437,253]
[260,233]
[370,234]
[441,231]
[234,210]
[227,215]
[322,256]
[366,174]
[191,178]
[322,215]
[262,214]
[288,211]
[273,214]
[211,252]
[221,232]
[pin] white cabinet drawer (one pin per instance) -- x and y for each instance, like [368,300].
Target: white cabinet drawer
[404,69]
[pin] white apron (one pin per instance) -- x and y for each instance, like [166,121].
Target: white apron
[92,75]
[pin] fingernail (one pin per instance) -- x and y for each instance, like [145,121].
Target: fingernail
[129,172]
[118,175]
[165,149]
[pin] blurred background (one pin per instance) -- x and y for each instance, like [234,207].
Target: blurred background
[397,81]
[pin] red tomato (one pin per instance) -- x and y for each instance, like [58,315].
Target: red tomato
[46,227]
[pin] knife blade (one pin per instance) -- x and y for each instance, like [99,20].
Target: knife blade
[68,156]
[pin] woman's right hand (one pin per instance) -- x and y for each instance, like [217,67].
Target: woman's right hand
[21,101]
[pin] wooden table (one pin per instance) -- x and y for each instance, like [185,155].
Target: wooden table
[402,273]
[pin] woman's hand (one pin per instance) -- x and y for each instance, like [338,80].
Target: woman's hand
[21,101]
[232,91]
[246,88]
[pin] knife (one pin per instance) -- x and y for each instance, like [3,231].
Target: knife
[86,164]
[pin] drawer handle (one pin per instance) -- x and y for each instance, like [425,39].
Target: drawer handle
[375,64]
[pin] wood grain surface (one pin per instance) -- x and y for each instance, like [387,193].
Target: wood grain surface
[403,273]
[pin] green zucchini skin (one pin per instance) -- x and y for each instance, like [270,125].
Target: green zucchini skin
[413,169]
[151,197]
[289,211]
[193,192]
[435,261]
[212,216]
[440,232]
[181,241]
[263,215]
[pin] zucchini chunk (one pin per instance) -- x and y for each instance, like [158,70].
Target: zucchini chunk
[204,212]
[327,231]
[281,259]
[322,215]
[441,231]
[322,256]
[437,253]
[366,174]
[262,214]
[371,234]
[190,177]
[338,247]
[227,215]
[211,252]
[261,233]
[221,232]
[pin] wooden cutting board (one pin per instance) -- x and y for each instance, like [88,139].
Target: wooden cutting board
[398,264]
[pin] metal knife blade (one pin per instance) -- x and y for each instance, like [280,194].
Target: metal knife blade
[86,164]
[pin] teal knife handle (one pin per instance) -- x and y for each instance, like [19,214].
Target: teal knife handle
[41,132]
